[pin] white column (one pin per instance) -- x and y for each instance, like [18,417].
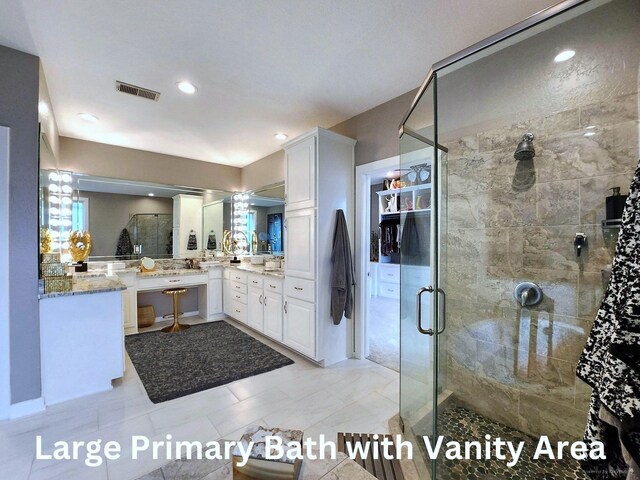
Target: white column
[5,386]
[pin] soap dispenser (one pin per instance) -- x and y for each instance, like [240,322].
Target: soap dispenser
[615,204]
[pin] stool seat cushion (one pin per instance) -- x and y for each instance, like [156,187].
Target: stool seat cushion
[174,291]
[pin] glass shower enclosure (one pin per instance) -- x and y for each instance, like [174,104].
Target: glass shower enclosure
[151,235]
[495,313]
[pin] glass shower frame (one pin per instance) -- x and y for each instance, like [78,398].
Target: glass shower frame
[427,338]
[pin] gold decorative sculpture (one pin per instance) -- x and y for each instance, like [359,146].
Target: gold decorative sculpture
[226,242]
[45,240]
[79,245]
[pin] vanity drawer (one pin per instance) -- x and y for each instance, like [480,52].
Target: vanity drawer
[240,297]
[300,288]
[272,284]
[238,276]
[389,290]
[172,281]
[238,287]
[256,281]
[238,310]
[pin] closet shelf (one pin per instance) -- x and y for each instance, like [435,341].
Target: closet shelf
[420,210]
[412,188]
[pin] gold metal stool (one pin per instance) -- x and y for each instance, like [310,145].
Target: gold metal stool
[177,326]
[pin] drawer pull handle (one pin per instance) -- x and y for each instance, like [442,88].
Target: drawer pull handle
[238,311]
[272,286]
[298,288]
[390,290]
[238,297]
[174,281]
[389,274]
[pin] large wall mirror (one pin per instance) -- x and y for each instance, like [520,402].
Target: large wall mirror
[127,220]
[260,222]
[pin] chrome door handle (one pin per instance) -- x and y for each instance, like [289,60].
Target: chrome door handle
[444,311]
[428,331]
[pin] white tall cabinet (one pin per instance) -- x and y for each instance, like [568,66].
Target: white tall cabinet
[187,216]
[319,170]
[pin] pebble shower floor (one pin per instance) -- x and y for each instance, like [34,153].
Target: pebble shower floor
[461,424]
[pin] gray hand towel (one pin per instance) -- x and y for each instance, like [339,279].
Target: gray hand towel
[342,272]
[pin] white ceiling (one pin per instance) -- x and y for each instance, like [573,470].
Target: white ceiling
[260,66]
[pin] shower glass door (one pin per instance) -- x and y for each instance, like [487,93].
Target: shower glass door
[417,204]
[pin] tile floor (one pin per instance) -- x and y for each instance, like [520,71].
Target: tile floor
[383,329]
[353,396]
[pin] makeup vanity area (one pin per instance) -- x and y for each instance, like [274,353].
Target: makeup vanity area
[192,235]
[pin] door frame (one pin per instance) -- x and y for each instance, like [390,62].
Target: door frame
[362,237]
[5,352]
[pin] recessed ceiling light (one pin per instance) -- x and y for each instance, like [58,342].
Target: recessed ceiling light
[152,194]
[87,117]
[43,108]
[589,134]
[187,87]
[564,56]
[281,136]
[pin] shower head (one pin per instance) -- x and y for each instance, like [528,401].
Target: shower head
[525,150]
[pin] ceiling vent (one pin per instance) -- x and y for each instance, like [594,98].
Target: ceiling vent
[137,91]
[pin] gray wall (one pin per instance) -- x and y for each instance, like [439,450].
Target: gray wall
[126,163]
[376,131]
[266,171]
[19,111]
[109,213]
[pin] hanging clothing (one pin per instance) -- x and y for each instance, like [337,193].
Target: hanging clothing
[342,276]
[211,241]
[610,362]
[389,233]
[124,247]
[192,243]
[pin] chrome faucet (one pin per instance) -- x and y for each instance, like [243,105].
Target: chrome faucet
[527,294]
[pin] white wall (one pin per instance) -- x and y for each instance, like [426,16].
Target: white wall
[5,392]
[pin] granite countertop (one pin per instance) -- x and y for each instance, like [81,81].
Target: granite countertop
[88,284]
[259,269]
[172,272]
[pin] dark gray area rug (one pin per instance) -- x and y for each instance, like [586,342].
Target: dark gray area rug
[172,365]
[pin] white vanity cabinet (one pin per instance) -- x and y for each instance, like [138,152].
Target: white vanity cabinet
[273,315]
[214,293]
[129,303]
[187,217]
[300,178]
[264,304]
[255,302]
[299,326]
[300,242]
[319,168]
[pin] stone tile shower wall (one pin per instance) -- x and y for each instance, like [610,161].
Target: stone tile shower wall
[514,221]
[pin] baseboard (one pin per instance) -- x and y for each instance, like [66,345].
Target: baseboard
[28,407]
